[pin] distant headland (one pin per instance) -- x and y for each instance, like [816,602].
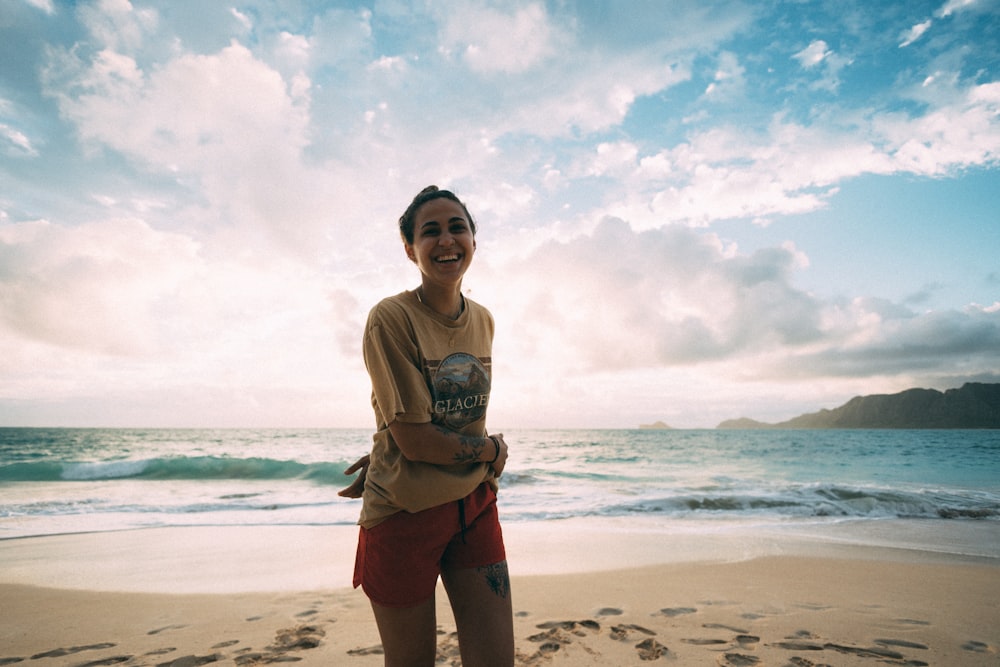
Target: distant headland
[655,425]
[973,405]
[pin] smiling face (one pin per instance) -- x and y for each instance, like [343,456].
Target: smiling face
[443,242]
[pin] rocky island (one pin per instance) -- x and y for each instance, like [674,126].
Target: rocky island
[973,405]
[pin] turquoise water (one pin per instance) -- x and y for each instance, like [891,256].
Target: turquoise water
[74,480]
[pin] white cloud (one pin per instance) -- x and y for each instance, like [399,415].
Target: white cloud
[915,33]
[819,56]
[490,40]
[198,117]
[621,299]
[728,172]
[15,142]
[117,25]
[92,287]
[952,6]
[613,308]
[44,5]
[728,81]
[242,18]
[814,54]
[953,136]
[341,37]
[238,215]
[149,318]
[588,95]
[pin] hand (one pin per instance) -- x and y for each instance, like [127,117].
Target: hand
[501,461]
[358,485]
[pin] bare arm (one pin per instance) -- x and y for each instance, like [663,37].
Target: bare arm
[431,443]
[421,439]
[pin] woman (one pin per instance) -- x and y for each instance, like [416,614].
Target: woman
[429,484]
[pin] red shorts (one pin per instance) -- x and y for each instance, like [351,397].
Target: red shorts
[400,559]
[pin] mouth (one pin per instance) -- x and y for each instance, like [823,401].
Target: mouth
[448,259]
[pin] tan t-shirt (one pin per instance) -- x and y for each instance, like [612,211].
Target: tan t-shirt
[424,367]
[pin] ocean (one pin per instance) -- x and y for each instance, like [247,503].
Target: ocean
[55,481]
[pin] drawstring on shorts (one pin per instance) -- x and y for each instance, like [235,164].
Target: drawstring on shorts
[461,517]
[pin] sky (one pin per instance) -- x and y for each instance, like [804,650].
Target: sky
[688,211]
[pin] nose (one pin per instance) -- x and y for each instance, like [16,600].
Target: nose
[446,239]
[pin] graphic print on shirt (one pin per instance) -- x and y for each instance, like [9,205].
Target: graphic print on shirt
[461,387]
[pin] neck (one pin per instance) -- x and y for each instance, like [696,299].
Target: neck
[449,303]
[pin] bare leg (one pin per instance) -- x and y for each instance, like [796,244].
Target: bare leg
[480,600]
[409,636]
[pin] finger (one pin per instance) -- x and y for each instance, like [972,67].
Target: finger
[353,491]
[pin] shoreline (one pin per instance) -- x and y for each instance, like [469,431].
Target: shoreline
[246,559]
[584,594]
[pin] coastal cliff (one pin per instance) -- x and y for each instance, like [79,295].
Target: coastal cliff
[973,405]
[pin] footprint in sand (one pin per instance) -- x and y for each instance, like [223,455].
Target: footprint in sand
[743,641]
[978,647]
[556,635]
[369,650]
[865,651]
[543,655]
[705,642]
[624,632]
[799,646]
[165,628]
[60,652]
[720,626]
[797,661]
[738,660]
[447,649]
[650,649]
[901,643]
[576,627]
[10,661]
[113,660]
[549,642]
[609,611]
[192,661]
[293,639]
[677,611]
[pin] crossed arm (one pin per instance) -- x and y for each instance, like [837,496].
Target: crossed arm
[431,443]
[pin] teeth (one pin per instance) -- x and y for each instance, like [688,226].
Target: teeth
[447,258]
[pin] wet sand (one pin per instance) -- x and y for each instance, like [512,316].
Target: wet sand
[188,597]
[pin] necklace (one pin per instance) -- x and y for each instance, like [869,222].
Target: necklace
[461,307]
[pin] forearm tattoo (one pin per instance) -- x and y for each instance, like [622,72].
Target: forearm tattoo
[471,446]
[497,578]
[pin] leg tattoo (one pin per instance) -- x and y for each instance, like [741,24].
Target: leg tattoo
[497,577]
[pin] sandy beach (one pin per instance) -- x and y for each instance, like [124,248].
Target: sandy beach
[587,594]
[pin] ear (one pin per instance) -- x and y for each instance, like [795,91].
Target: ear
[409,252]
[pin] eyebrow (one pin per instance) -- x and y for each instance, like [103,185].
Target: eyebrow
[455,218]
